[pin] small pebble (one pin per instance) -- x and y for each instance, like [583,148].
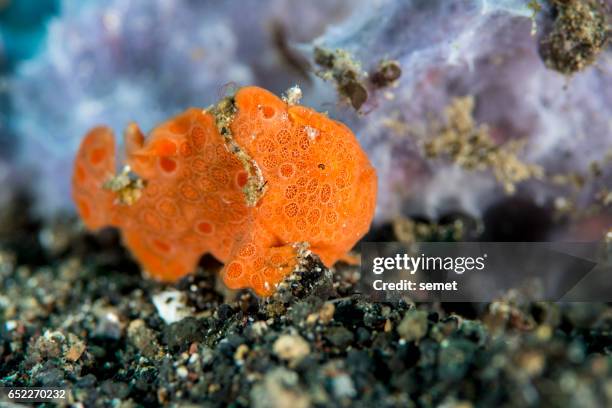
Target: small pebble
[413,326]
[291,347]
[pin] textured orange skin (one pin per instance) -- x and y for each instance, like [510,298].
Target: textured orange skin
[320,189]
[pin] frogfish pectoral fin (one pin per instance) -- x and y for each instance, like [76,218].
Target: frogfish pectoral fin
[260,269]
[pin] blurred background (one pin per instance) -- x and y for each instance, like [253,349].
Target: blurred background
[495,114]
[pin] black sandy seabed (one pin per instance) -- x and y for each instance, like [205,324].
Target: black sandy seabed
[75,312]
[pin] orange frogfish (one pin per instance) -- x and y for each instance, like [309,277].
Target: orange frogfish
[255,181]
